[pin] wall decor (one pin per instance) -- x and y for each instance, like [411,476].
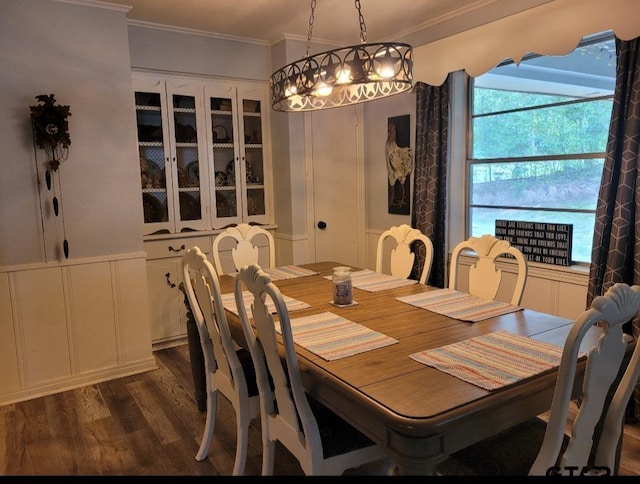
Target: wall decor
[51,128]
[399,159]
[51,134]
[549,243]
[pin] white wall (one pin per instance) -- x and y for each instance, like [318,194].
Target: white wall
[197,53]
[81,55]
[67,323]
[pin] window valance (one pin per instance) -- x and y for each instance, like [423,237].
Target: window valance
[554,28]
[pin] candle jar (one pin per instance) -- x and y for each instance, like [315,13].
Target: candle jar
[342,287]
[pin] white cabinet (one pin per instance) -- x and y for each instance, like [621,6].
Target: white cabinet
[236,118]
[172,144]
[164,275]
[204,153]
[205,163]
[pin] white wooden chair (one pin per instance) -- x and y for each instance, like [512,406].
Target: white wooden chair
[246,251]
[323,443]
[566,447]
[401,259]
[484,277]
[228,368]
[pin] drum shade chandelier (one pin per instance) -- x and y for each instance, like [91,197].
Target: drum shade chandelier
[344,76]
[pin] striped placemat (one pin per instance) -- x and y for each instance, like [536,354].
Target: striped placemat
[459,305]
[493,360]
[373,281]
[332,337]
[229,302]
[289,272]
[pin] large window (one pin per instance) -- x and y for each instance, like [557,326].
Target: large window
[538,138]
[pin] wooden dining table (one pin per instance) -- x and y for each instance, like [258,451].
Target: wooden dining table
[418,414]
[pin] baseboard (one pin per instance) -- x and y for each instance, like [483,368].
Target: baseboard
[77,381]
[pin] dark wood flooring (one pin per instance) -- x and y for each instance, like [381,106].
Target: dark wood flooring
[148,424]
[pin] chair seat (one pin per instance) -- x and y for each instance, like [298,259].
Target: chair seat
[509,453]
[337,436]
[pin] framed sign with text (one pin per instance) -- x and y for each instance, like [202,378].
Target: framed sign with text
[549,243]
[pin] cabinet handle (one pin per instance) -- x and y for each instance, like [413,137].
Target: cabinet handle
[169,283]
[171,249]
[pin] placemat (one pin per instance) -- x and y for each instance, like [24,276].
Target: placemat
[332,337]
[373,281]
[494,360]
[229,302]
[459,305]
[289,272]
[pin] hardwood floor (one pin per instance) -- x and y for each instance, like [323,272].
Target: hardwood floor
[149,424]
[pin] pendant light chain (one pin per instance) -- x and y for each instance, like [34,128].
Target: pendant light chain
[363,27]
[311,19]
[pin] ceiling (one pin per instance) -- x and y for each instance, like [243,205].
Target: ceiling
[335,21]
[416,22]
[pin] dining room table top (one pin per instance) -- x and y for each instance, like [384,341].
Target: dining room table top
[420,414]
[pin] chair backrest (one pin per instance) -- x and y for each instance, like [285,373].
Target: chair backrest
[285,411]
[246,251]
[401,258]
[484,276]
[203,293]
[602,383]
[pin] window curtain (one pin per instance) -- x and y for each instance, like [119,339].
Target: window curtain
[430,176]
[615,255]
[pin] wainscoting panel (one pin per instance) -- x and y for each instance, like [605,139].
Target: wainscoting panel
[71,324]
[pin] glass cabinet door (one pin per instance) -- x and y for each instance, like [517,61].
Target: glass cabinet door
[224,152]
[253,159]
[171,143]
[237,128]
[153,152]
[189,173]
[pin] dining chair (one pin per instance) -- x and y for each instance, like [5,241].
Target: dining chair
[590,443]
[322,442]
[485,278]
[401,258]
[228,368]
[246,250]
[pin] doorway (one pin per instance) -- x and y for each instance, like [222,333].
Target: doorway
[335,153]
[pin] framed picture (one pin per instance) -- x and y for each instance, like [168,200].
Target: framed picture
[399,159]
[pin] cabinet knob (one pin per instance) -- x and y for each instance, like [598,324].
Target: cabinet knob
[322,225]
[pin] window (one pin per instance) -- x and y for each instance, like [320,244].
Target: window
[538,139]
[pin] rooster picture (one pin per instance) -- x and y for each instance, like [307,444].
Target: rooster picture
[399,168]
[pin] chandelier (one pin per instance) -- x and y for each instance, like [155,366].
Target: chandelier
[344,76]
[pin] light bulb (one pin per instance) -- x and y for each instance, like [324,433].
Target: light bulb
[290,89]
[323,90]
[386,71]
[343,75]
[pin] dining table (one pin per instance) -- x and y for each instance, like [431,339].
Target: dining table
[418,413]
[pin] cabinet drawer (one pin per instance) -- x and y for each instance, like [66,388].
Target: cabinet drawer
[160,249]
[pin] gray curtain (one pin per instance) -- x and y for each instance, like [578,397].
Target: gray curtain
[430,176]
[615,256]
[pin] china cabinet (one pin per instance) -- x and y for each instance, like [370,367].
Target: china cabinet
[204,165]
[204,154]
